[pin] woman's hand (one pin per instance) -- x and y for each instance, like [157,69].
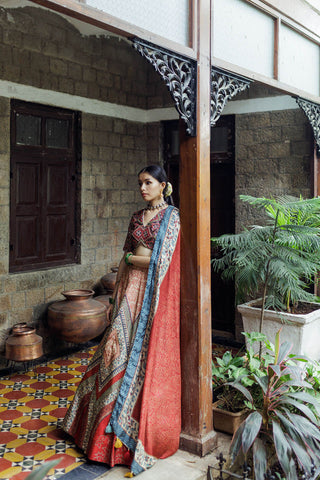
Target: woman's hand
[109,314]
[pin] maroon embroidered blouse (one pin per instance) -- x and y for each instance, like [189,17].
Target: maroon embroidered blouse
[142,234]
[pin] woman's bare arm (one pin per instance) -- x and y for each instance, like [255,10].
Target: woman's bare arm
[140,260]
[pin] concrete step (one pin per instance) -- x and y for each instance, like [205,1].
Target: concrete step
[181,466]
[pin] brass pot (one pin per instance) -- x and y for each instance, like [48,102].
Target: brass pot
[78,318]
[108,281]
[23,344]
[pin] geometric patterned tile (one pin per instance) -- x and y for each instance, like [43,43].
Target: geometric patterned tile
[32,406]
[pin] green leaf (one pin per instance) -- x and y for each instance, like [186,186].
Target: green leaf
[302,407]
[227,357]
[236,442]
[263,382]
[301,454]
[305,426]
[292,475]
[251,430]
[253,337]
[283,448]
[299,434]
[284,351]
[276,369]
[277,345]
[241,389]
[259,459]
[40,472]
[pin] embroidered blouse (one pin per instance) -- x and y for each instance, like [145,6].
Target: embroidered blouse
[139,234]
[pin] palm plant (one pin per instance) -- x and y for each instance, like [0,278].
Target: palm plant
[284,427]
[279,259]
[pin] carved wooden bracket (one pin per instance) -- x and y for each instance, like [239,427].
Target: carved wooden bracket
[224,86]
[179,74]
[312,111]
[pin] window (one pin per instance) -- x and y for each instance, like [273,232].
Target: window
[44,204]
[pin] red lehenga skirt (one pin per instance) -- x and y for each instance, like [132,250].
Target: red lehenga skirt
[132,388]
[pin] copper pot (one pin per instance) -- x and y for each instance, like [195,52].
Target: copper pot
[78,318]
[23,344]
[104,299]
[108,281]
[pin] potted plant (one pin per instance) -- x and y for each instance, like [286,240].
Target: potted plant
[232,373]
[281,433]
[228,407]
[279,260]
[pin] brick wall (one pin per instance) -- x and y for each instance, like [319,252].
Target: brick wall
[38,48]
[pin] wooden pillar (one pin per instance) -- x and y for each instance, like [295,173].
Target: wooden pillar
[197,431]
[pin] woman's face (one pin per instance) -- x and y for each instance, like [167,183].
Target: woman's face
[150,188]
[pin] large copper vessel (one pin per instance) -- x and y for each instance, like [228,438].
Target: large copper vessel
[23,344]
[78,318]
[108,283]
[108,280]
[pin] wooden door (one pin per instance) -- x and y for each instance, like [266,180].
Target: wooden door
[44,206]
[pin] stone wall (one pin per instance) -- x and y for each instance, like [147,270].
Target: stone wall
[41,49]
[273,157]
[274,151]
[113,151]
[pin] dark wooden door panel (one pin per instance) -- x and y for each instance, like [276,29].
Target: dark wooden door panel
[44,189]
[27,185]
[27,239]
[58,181]
[57,237]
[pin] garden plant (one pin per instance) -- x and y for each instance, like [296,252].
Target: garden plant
[278,260]
[281,431]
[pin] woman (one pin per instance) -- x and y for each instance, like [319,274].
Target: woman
[127,407]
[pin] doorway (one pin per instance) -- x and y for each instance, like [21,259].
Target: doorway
[222,159]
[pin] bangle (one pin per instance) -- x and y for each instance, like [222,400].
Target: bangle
[126,259]
[111,301]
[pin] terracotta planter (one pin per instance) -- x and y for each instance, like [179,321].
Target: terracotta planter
[302,330]
[227,422]
[23,344]
[78,318]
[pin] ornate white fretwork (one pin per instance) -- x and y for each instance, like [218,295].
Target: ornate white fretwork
[312,111]
[179,74]
[224,86]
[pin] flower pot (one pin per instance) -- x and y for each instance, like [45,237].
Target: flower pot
[78,318]
[302,330]
[225,421]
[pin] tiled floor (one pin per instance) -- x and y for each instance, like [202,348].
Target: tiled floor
[32,406]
